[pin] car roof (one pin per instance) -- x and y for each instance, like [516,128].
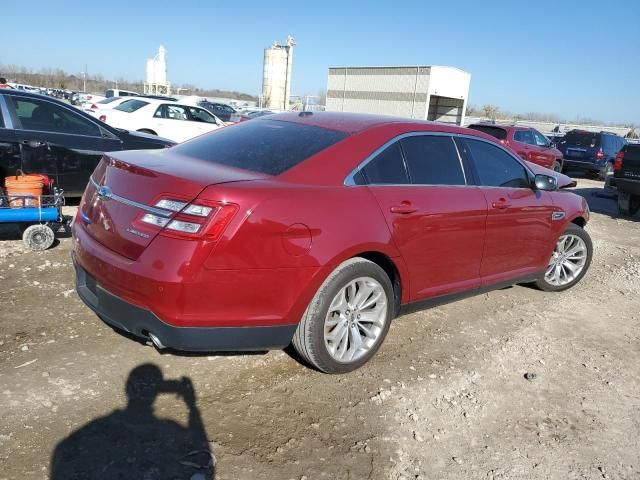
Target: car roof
[352,123]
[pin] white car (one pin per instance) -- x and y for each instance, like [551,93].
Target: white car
[165,118]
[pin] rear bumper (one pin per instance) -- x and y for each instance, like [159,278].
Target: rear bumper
[141,322]
[580,165]
[627,185]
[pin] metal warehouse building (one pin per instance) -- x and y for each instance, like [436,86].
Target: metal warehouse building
[424,92]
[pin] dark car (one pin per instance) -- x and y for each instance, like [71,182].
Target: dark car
[593,152]
[316,229]
[39,134]
[627,179]
[220,110]
[527,142]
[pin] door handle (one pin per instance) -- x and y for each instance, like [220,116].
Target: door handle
[403,209]
[501,204]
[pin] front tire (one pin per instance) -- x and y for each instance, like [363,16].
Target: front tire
[348,318]
[569,261]
[557,166]
[628,204]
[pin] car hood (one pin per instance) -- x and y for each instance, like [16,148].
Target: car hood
[564,181]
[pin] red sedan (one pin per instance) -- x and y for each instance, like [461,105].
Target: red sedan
[316,229]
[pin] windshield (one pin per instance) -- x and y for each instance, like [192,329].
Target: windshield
[264,146]
[131,105]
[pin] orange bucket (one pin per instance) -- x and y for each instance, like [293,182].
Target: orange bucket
[24,188]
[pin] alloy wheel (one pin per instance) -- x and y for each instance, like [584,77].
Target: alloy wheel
[355,320]
[568,260]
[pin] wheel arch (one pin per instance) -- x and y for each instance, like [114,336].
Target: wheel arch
[391,269]
[579,221]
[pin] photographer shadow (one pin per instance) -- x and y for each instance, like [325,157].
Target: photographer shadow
[134,443]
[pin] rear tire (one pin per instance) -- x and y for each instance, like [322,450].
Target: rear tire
[332,336]
[38,237]
[574,253]
[628,204]
[146,130]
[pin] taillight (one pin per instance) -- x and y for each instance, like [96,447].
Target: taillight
[600,154]
[102,118]
[196,220]
[93,106]
[617,165]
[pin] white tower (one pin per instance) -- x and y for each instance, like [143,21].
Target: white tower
[157,83]
[276,80]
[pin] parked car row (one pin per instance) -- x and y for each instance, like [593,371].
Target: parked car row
[591,152]
[166,118]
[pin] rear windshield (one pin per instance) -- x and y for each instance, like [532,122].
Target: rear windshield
[109,100]
[131,105]
[264,146]
[497,132]
[581,139]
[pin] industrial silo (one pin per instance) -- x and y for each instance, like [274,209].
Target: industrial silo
[276,80]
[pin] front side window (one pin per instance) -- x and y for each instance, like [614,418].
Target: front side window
[201,115]
[523,136]
[495,167]
[541,140]
[131,106]
[432,160]
[387,167]
[44,116]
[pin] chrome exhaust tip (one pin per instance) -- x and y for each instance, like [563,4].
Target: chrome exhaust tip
[156,342]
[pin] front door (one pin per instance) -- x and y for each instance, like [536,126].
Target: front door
[437,221]
[519,235]
[57,142]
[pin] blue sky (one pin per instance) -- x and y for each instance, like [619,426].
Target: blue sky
[572,58]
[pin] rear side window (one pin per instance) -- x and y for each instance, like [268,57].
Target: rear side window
[497,132]
[263,146]
[130,106]
[495,167]
[582,139]
[387,167]
[432,160]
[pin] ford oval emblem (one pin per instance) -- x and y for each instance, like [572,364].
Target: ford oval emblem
[104,193]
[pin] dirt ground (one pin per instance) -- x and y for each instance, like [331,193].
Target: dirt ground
[446,397]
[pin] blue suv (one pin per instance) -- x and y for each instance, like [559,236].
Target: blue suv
[593,152]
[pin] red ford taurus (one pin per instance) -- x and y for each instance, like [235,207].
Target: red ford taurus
[316,229]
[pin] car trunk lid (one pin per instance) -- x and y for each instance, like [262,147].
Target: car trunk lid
[126,186]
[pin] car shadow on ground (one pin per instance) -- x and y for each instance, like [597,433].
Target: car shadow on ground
[604,202]
[134,443]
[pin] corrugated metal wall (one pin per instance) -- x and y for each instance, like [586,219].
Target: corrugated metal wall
[400,91]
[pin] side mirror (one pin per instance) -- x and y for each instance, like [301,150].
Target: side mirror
[546,183]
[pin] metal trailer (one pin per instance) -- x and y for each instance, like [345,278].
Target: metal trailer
[37,217]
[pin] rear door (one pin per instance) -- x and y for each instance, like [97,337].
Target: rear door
[543,152]
[519,232]
[437,221]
